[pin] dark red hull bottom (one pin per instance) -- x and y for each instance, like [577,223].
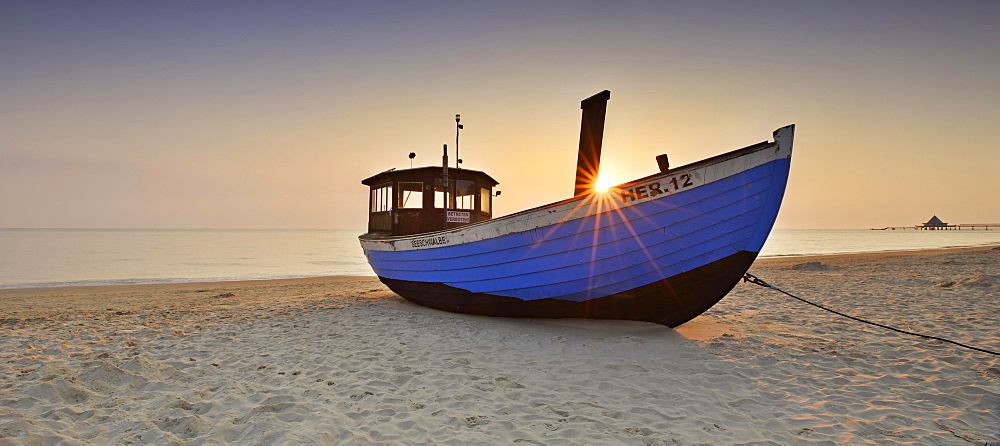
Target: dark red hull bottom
[671,301]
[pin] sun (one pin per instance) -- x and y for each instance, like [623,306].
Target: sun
[604,183]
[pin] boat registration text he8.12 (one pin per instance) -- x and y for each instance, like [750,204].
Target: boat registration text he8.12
[661,186]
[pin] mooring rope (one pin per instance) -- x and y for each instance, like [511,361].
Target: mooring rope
[754,280]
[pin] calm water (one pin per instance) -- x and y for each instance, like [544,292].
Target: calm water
[55,257]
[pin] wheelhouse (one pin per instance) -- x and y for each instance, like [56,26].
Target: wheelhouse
[413,201]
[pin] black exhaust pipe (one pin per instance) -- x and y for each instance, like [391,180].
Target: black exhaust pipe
[588,162]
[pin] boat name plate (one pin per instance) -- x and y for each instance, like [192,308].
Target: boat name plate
[429,241]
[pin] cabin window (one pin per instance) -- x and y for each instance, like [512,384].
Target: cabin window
[380,201]
[465,194]
[485,197]
[411,195]
[439,194]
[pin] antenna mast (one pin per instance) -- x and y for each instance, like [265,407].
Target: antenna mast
[444,183]
[458,127]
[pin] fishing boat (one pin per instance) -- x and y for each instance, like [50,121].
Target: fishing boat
[662,248]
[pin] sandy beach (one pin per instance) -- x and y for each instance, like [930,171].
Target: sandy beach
[342,360]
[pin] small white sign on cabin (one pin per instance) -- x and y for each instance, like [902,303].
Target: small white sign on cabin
[458,217]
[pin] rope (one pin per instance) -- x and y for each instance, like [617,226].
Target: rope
[756,281]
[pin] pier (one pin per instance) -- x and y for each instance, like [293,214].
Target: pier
[959,227]
[935,224]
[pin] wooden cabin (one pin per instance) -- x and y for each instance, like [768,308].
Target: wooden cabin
[412,201]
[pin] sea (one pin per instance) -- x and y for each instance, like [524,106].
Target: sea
[70,257]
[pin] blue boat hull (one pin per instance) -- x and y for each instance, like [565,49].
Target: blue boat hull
[671,301]
[653,250]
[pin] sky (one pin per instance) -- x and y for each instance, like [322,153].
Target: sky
[248,114]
